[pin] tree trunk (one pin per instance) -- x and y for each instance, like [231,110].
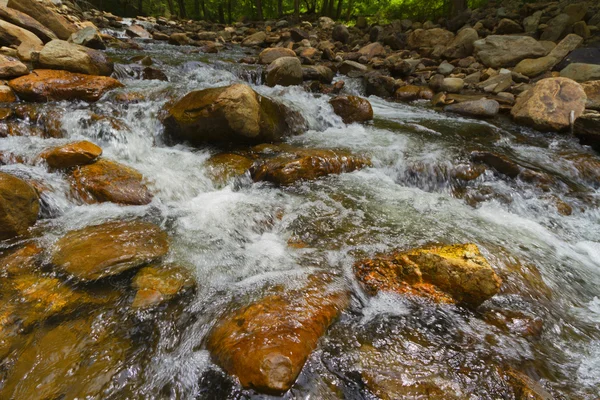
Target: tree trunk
[221,13]
[330,10]
[349,11]
[171,7]
[140,7]
[338,14]
[259,10]
[297,10]
[229,12]
[182,13]
[197,9]
[280,8]
[325,7]
[458,6]
[204,15]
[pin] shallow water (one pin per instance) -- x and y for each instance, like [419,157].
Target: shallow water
[235,239]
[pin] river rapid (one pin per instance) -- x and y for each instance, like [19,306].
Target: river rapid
[240,237]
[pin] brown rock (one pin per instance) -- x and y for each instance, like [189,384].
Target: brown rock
[26,22]
[548,105]
[445,274]
[7,95]
[352,108]
[284,71]
[499,162]
[157,284]
[373,50]
[225,166]
[412,92]
[25,41]
[180,39]
[49,85]
[420,38]
[109,249]
[267,343]
[107,180]
[137,31]
[44,15]
[257,39]
[267,56]
[11,68]
[72,154]
[19,206]
[592,91]
[62,55]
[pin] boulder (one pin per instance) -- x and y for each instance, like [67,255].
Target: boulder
[71,155]
[319,73]
[266,343]
[532,67]
[592,91]
[285,165]
[24,21]
[19,206]
[62,28]
[257,39]
[157,284]
[550,104]
[454,273]
[462,44]
[11,68]
[234,113]
[340,33]
[556,27]
[576,11]
[352,108]
[108,249]
[49,85]
[413,92]
[25,41]
[284,71]
[110,181]
[88,37]
[476,108]
[506,51]
[581,72]
[267,56]
[372,50]
[423,38]
[326,23]
[587,130]
[566,46]
[351,66]
[137,31]
[62,55]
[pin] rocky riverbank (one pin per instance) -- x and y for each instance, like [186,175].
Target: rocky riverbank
[92,304]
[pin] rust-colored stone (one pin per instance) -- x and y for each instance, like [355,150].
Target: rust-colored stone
[72,154]
[19,206]
[159,283]
[352,108]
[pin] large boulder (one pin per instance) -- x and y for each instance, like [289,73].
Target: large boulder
[581,72]
[71,155]
[44,15]
[284,71]
[26,22]
[462,44]
[319,73]
[550,105]
[109,181]
[506,51]
[11,68]
[234,113]
[267,56]
[108,249]
[372,50]
[19,206]
[424,38]
[352,108]
[455,273]
[137,31]
[25,42]
[266,343]
[340,33]
[60,54]
[88,37]
[49,85]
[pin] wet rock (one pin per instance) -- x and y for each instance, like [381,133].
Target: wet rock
[499,162]
[290,165]
[581,72]
[110,181]
[372,50]
[151,73]
[49,85]
[25,42]
[455,273]
[137,31]
[7,95]
[109,249]
[75,359]
[225,166]
[550,104]
[267,56]
[319,73]
[24,21]
[11,68]
[257,39]
[62,55]
[266,343]
[284,71]
[556,27]
[587,130]
[340,33]
[348,67]
[524,387]
[506,51]
[88,37]
[352,108]
[160,283]
[71,155]
[477,108]
[43,14]
[420,38]
[19,206]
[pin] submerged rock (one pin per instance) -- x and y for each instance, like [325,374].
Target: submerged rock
[550,105]
[455,273]
[49,85]
[71,155]
[159,283]
[499,162]
[107,180]
[234,113]
[266,343]
[352,108]
[109,249]
[19,206]
[224,166]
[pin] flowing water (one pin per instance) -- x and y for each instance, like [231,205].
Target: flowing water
[236,238]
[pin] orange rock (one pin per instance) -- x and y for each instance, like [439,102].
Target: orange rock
[352,108]
[20,260]
[107,180]
[456,273]
[50,85]
[266,343]
[72,154]
[19,206]
[158,283]
[7,95]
